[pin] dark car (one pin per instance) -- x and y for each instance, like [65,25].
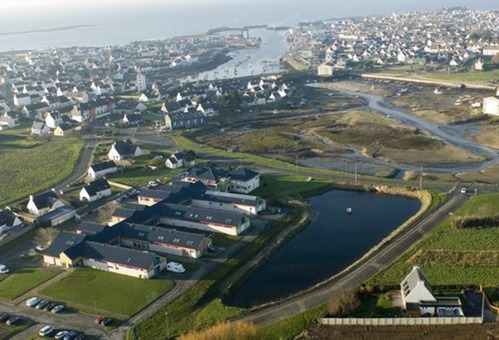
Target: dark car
[106,321]
[49,307]
[14,321]
[70,336]
[41,304]
[4,317]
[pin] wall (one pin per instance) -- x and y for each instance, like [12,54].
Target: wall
[399,321]
[244,209]
[116,268]
[200,226]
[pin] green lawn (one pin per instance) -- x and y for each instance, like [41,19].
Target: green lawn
[24,128]
[375,306]
[139,176]
[111,292]
[287,185]
[447,238]
[289,328]
[224,241]
[21,281]
[29,166]
[7,332]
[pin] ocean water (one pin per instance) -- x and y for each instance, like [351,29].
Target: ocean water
[153,19]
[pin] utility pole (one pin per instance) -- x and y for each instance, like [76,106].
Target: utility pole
[296,164]
[421,179]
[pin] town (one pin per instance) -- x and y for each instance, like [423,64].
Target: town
[148,193]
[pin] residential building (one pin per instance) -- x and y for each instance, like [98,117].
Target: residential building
[95,191]
[179,159]
[176,121]
[43,203]
[63,129]
[101,169]
[243,180]
[491,106]
[123,149]
[8,221]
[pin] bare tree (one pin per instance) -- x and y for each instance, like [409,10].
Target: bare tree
[105,212]
[344,304]
[45,236]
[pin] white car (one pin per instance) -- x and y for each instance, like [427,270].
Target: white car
[32,302]
[464,190]
[57,309]
[45,330]
[3,269]
[175,267]
[61,335]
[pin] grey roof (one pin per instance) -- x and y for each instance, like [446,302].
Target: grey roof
[207,174]
[97,186]
[103,166]
[242,174]
[90,228]
[65,126]
[45,199]
[7,218]
[119,255]
[162,235]
[125,147]
[412,280]
[37,125]
[64,241]
[186,213]
[222,197]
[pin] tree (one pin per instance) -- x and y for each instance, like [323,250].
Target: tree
[344,304]
[105,212]
[495,59]
[45,236]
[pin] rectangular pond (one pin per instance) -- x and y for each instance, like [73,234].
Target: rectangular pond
[332,241]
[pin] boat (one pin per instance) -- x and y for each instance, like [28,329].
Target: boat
[349,210]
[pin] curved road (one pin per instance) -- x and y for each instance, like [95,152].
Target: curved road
[355,275]
[378,103]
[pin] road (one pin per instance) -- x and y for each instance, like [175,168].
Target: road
[355,275]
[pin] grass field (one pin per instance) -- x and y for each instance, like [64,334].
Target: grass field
[291,327]
[111,292]
[29,166]
[7,332]
[21,281]
[141,175]
[447,238]
[376,306]
[287,185]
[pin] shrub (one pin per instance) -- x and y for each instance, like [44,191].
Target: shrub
[344,304]
[227,331]
[475,222]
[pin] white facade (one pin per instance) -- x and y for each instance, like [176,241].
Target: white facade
[244,187]
[141,82]
[165,248]
[491,106]
[84,195]
[32,208]
[114,155]
[117,268]
[324,70]
[95,175]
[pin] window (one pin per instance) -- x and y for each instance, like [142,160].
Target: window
[161,237]
[190,243]
[209,218]
[141,234]
[229,220]
[176,240]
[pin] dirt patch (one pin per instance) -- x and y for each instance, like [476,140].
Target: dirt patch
[456,332]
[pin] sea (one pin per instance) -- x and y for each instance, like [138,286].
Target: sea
[27,28]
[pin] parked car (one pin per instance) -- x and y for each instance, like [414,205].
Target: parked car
[61,335]
[46,330]
[98,319]
[106,321]
[4,269]
[14,321]
[32,302]
[57,309]
[49,307]
[70,335]
[464,190]
[175,267]
[40,248]
[42,304]
[4,317]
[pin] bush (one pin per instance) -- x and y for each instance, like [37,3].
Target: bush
[495,59]
[475,222]
[227,331]
[344,304]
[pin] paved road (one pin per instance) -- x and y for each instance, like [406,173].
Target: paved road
[354,276]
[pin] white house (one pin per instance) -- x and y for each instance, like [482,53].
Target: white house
[22,100]
[8,221]
[53,119]
[178,160]
[243,180]
[415,288]
[95,191]
[122,150]
[101,169]
[491,106]
[39,129]
[43,203]
[9,120]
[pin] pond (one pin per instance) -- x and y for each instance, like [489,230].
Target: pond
[332,241]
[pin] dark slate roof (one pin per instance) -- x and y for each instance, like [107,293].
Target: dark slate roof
[162,235]
[45,199]
[156,194]
[125,147]
[242,174]
[90,228]
[120,255]
[128,210]
[133,118]
[222,197]
[7,218]
[103,166]
[182,212]
[37,125]
[97,186]
[64,241]
[207,173]
[65,126]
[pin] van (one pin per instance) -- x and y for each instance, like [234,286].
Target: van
[45,330]
[32,302]
[175,267]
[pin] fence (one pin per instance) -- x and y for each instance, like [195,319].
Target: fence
[400,321]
